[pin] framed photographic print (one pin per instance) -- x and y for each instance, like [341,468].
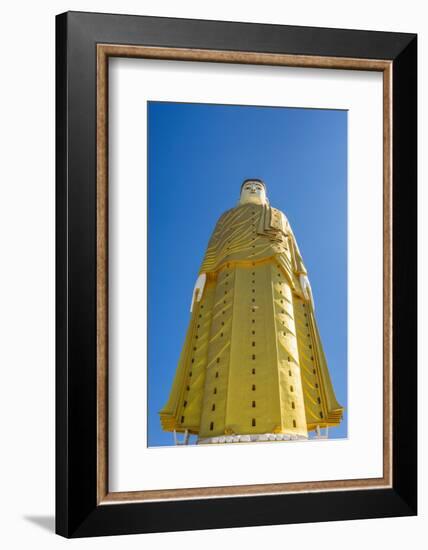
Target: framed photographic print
[236,243]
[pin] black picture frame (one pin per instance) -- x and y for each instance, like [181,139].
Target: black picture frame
[78,513]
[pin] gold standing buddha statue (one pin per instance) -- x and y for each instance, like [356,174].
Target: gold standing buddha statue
[252,367]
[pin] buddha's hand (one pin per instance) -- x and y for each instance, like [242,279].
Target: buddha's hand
[306,289]
[198,289]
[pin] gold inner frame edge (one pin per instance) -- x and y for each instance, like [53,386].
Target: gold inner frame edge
[104,51]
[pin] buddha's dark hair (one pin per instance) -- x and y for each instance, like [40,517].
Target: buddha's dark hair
[253,179]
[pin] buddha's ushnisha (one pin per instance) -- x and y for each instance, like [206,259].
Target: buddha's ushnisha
[252,365]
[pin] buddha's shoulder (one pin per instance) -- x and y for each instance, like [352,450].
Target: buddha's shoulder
[231,212]
[277,211]
[280,218]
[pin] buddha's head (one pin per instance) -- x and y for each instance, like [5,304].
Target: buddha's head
[253,191]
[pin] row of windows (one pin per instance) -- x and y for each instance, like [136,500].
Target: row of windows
[192,360]
[253,343]
[213,406]
[314,371]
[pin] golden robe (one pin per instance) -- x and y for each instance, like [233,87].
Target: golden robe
[252,361]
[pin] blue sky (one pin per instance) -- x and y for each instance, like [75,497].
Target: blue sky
[198,156]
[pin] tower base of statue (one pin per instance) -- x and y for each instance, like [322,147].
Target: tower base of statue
[249,438]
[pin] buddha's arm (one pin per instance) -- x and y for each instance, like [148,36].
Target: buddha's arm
[299,266]
[300,270]
[198,289]
[306,289]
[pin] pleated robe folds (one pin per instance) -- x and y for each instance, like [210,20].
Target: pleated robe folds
[252,361]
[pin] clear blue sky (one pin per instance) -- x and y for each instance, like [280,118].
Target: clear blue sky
[198,156]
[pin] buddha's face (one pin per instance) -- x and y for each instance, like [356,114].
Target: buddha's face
[253,192]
